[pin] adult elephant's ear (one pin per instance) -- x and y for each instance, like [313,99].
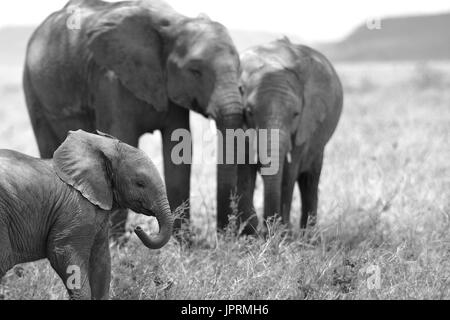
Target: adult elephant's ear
[81,162]
[126,42]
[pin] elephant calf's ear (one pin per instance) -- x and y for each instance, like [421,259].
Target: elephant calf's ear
[81,163]
[126,42]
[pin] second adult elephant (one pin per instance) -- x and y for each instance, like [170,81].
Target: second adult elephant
[129,68]
[295,90]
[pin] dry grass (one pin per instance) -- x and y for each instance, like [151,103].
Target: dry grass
[384,201]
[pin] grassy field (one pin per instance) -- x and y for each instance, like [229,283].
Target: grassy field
[384,208]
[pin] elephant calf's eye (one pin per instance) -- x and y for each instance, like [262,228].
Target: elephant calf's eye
[140,184]
[197,73]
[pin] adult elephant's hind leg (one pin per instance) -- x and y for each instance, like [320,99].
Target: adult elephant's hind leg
[177,175]
[46,138]
[309,188]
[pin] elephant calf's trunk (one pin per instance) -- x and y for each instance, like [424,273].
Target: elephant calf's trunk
[165,221]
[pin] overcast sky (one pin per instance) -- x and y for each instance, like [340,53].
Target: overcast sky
[314,20]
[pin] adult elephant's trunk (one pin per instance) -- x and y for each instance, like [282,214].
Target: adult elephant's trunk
[277,151]
[231,117]
[165,220]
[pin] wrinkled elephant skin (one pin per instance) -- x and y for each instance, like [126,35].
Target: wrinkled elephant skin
[60,208]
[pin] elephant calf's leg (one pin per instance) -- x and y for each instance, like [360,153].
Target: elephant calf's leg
[6,260]
[5,263]
[72,267]
[6,254]
[100,269]
[309,188]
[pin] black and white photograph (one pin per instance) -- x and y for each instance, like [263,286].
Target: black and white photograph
[224,154]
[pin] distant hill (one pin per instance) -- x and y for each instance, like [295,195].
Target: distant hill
[401,38]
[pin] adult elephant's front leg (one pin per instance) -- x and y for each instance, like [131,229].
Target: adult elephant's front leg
[177,171]
[245,189]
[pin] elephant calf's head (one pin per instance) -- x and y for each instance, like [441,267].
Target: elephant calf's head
[111,174]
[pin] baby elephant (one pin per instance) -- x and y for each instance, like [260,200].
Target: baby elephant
[294,89]
[59,209]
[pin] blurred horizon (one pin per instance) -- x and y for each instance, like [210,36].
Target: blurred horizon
[404,38]
[318,22]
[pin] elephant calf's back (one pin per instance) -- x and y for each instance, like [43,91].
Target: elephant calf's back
[24,177]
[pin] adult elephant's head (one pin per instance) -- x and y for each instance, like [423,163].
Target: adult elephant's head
[111,174]
[161,56]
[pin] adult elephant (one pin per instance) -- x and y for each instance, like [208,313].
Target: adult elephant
[129,68]
[293,89]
